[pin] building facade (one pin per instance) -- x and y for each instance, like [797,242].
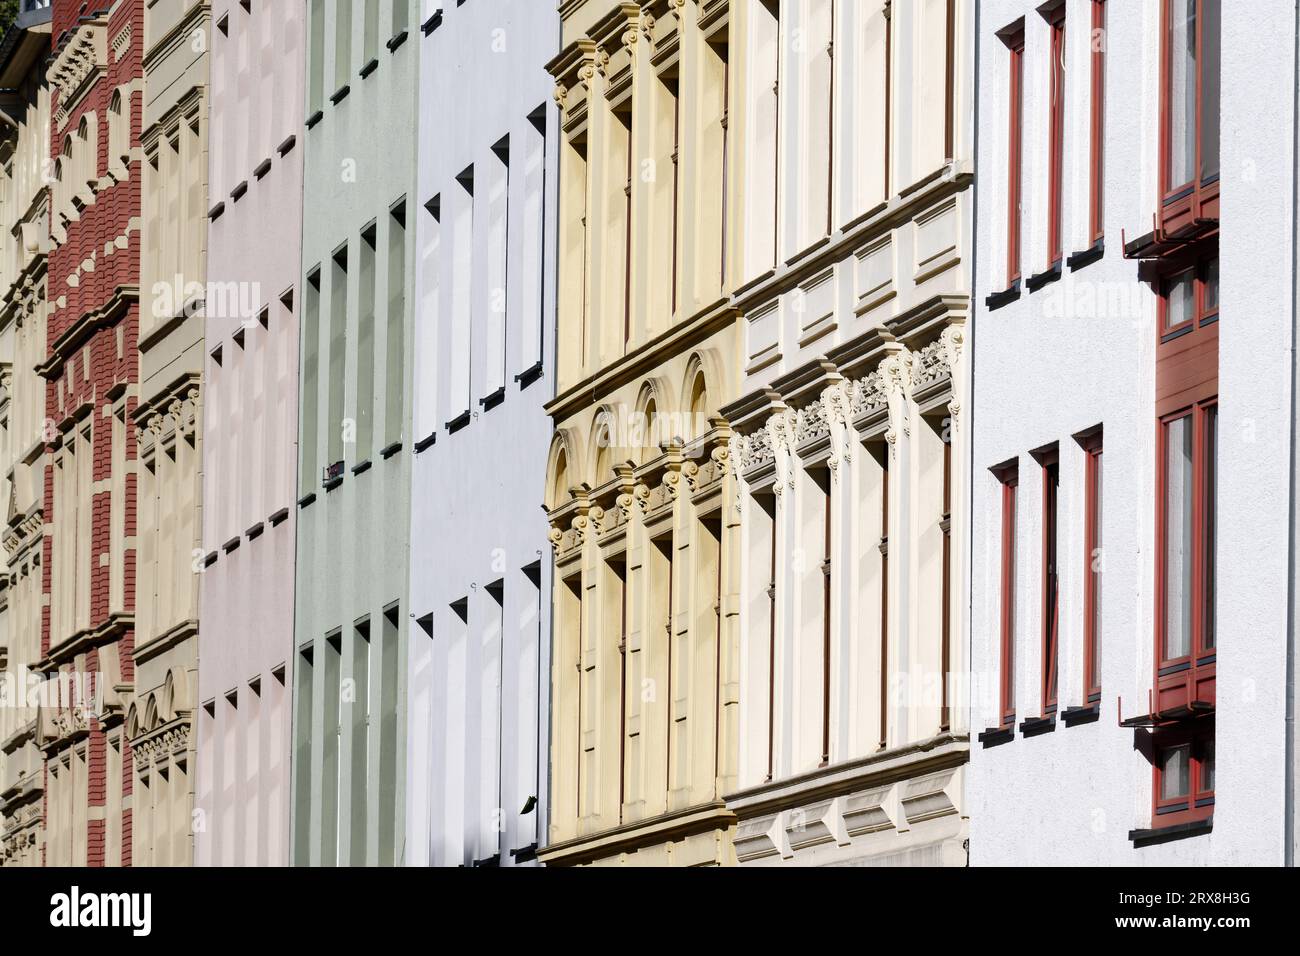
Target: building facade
[1107,598]
[354,478]
[483,370]
[258,75]
[91,370]
[169,430]
[24,308]
[639,486]
[851,434]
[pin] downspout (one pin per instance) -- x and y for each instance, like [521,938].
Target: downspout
[1288,827]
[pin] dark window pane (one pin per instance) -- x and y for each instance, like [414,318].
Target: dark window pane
[1209,89]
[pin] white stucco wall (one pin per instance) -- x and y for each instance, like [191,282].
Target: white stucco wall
[251,422]
[1081,351]
[478,689]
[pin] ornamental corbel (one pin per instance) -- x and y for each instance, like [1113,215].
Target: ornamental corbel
[896,381]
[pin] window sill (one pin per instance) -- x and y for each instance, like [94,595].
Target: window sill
[996,735]
[230,545]
[287,145]
[490,402]
[1036,726]
[332,484]
[341,94]
[1075,716]
[1087,257]
[216,211]
[255,531]
[998,299]
[459,422]
[262,169]
[1036,282]
[388,451]
[209,559]
[238,192]
[432,23]
[370,67]
[1177,831]
[307,499]
[396,41]
[425,443]
[315,118]
[279,517]
[529,375]
[361,467]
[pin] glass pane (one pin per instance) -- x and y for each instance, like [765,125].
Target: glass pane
[1211,518]
[1180,298]
[1174,781]
[1182,91]
[1178,538]
[1207,767]
[1211,284]
[1209,89]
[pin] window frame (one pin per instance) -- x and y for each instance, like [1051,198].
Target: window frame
[1198,803]
[1056,134]
[1015,42]
[1093,498]
[1183,204]
[1050,581]
[1097,125]
[1008,477]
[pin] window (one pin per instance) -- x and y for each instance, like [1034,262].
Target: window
[1056,134]
[1051,580]
[342,44]
[1016,44]
[1092,571]
[1008,475]
[1187,479]
[395,331]
[366,348]
[316,81]
[337,359]
[310,382]
[1096,164]
[1183,775]
[1190,114]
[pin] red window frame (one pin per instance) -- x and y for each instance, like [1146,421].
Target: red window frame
[1183,204]
[1097,124]
[1092,446]
[1051,579]
[1198,802]
[1056,132]
[1015,136]
[1009,477]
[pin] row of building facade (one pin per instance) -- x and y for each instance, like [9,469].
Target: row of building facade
[665,432]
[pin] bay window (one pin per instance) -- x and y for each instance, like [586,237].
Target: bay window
[1190,57]
[1183,769]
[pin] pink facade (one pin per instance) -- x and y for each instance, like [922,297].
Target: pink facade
[250,433]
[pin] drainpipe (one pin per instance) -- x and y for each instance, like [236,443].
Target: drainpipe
[1288,828]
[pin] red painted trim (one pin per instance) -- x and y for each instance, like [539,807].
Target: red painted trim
[1015,136]
[1007,710]
[1097,107]
[1056,134]
[1050,581]
[1091,574]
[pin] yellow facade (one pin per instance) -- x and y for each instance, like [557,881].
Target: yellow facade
[639,486]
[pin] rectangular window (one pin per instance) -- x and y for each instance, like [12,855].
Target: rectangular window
[1051,581]
[1092,571]
[316,80]
[1056,134]
[302,775]
[401,16]
[338,357]
[389,647]
[1097,125]
[532,245]
[309,475]
[1191,96]
[498,226]
[370,39]
[1009,478]
[1015,136]
[331,730]
[360,769]
[366,349]
[462,309]
[1183,778]
[342,43]
[395,332]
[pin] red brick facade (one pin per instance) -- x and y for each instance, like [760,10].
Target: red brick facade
[96,319]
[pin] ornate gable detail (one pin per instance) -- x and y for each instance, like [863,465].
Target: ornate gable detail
[78,65]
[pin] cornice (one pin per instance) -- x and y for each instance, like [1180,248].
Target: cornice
[666,828]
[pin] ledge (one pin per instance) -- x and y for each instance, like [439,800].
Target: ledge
[432,23]
[287,145]
[1086,257]
[237,193]
[525,854]
[314,118]
[1035,726]
[215,212]
[1074,716]
[459,422]
[231,545]
[279,517]
[1178,831]
[395,42]
[210,559]
[388,451]
[332,484]
[255,531]
[1036,282]
[361,467]
[996,735]
[263,168]
[339,95]
[998,299]
[370,67]
[490,402]
[426,443]
[630,837]
[306,499]
[529,375]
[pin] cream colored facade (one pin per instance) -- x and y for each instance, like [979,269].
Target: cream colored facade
[24,243]
[639,487]
[850,436]
[169,430]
